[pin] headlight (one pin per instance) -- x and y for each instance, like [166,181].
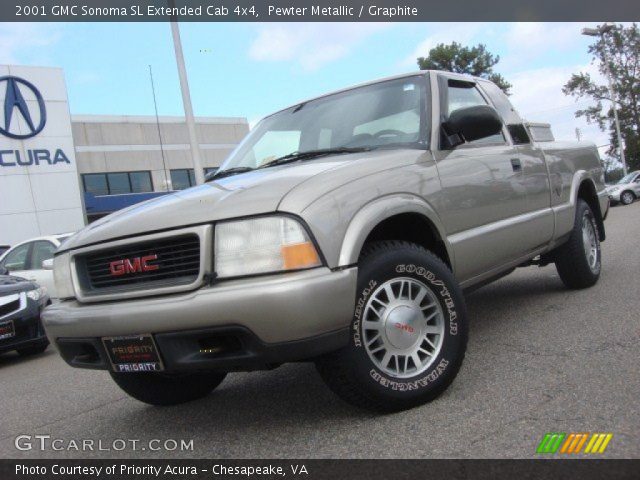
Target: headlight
[62,275]
[37,294]
[262,245]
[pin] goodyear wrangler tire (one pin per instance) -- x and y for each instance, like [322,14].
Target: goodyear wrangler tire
[163,389]
[408,334]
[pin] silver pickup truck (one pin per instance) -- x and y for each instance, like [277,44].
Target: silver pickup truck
[343,230]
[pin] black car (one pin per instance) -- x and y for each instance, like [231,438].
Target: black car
[21,303]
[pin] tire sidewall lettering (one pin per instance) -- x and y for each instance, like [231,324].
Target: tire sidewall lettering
[442,363]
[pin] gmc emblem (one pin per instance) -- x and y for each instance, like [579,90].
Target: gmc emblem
[133,265]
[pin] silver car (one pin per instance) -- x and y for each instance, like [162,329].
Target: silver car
[343,230]
[626,190]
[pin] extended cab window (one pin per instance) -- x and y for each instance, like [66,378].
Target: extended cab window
[463,95]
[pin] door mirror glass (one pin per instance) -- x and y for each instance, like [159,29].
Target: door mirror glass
[471,123]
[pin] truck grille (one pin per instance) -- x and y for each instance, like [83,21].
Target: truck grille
[10,307]
[163,262]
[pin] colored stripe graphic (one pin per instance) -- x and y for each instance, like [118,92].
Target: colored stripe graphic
[598,443]
[550,442]
[573,443]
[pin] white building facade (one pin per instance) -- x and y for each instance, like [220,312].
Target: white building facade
[58,171]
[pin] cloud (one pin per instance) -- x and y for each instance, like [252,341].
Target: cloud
[310,45]
[23,39]
[463,33]
[537,96]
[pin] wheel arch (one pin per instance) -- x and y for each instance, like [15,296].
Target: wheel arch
[395,217]
[587,192]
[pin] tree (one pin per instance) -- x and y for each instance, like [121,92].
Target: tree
[621,47]
[476,61]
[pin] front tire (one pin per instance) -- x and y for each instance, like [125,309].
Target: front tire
[408,334]
[579,260]
[627,197]
[162,389]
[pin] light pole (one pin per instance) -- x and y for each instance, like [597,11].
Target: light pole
[599,32]
[186,100]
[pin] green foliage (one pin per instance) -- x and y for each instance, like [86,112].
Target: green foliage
[621,47]
[476,61]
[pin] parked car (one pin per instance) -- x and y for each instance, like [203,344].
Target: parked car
[21,303]
[626,190]
[343,230]
[29,258]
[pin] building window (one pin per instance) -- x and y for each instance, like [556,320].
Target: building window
[184,177]
[117,183]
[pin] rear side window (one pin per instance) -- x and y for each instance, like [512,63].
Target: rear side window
[509,115]
[42,250]
[463,95]
[17,259]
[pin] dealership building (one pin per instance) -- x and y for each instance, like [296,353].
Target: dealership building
[60,171]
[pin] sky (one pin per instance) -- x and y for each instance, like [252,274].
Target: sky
[250,70]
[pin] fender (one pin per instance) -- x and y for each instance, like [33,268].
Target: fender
[371,214]
[565,213]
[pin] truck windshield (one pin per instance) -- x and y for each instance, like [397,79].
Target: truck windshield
[389,114]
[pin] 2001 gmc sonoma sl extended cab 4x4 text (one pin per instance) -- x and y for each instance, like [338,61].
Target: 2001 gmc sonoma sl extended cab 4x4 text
[342,230]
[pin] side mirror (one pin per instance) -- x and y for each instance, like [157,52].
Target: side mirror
[47,264]
[209,175]
[471,123]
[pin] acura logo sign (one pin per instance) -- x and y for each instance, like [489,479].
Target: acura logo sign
[14,101]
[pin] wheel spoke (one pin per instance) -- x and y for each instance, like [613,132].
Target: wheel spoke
[373,339]
[368,325]
[432,330]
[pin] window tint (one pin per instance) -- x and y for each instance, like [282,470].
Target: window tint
[140,182]
[42,251]
[118,183]
[17,259]
[501,103]
[462,95]
[96,183]
[182,178]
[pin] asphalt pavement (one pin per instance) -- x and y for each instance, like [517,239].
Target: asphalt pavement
[540,359]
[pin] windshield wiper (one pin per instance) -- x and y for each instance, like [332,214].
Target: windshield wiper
[308,154]
[231,171]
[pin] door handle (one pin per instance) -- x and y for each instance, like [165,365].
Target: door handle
[516,165]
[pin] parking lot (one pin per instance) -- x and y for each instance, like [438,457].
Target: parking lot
[540,359]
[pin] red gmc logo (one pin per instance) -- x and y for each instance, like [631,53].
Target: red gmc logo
[405,327]
[133,265]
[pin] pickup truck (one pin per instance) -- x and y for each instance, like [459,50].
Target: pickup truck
[343,230]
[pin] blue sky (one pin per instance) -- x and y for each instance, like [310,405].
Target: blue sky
[250,70]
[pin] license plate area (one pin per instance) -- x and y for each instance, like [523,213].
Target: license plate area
[132,354]
[7,330]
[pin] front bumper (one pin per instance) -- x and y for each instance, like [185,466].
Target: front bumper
[27,326]
[270,311]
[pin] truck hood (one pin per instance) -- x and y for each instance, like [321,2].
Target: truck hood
[250,193]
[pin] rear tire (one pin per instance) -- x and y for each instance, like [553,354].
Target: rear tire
[162,389]
[408,334]
[627,197]
[579,260]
